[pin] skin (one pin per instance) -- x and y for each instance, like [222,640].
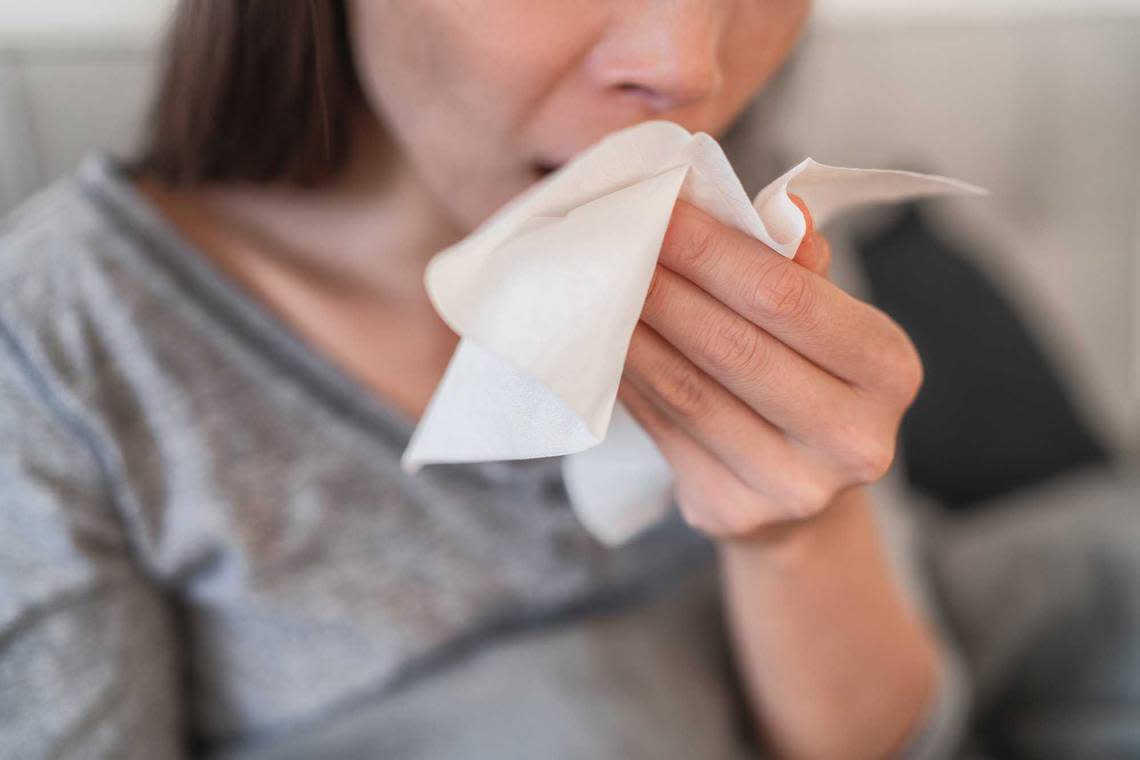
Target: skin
[773,394]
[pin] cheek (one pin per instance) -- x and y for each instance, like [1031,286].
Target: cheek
[758,41]
[466,87]
[453,96]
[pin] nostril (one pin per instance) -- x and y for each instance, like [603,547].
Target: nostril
[640,92]
[638,89]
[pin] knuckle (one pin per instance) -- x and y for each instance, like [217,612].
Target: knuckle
[682,388]
[781,292]
[691,240]
[804,497]
[720,510]
[868,459]
[741,521]
[909,373]
[743,511]
[699,519]
[735,345]
[899,371]
[692,518]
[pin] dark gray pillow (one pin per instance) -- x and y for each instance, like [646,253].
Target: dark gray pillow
[993,415]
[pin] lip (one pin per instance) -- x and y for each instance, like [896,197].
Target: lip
[544,167]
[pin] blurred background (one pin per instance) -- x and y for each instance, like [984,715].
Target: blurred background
[1037,100]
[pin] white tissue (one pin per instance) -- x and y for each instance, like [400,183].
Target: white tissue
[546,293]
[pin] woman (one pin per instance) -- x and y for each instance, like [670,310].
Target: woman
[213,358]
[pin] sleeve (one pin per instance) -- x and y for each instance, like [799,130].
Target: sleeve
[88,663]
[943,730]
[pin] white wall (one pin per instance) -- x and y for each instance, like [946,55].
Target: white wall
[905,10]
[66,22]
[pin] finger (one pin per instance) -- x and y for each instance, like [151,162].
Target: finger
[845,336]
[758,454]
[794,394]
[814,252]
[808,253]
[823,260]
[711,498]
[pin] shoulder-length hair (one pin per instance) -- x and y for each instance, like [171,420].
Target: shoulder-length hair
[252,91]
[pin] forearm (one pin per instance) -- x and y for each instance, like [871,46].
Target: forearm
[836,662]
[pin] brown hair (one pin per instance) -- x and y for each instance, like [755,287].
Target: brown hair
[252,90]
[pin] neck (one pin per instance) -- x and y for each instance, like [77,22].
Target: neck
[369,231]
[343,263]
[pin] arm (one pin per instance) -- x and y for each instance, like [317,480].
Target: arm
[88,666]
[774,396]
[835,660]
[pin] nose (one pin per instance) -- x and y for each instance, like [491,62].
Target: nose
[665,53]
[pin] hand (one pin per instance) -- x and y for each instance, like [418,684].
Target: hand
[767,388]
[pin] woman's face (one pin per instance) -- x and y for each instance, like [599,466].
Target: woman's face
[484,96]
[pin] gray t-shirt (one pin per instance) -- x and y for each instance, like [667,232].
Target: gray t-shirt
[209,546]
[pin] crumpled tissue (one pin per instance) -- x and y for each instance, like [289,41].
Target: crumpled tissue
[545,295]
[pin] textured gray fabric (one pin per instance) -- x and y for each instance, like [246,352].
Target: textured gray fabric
[209,546]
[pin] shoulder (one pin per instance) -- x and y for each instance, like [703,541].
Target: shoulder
[54,242]
[48,247]
[72,279]
[77,278]
[65,287]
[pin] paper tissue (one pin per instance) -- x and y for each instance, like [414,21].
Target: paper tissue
[545,295]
